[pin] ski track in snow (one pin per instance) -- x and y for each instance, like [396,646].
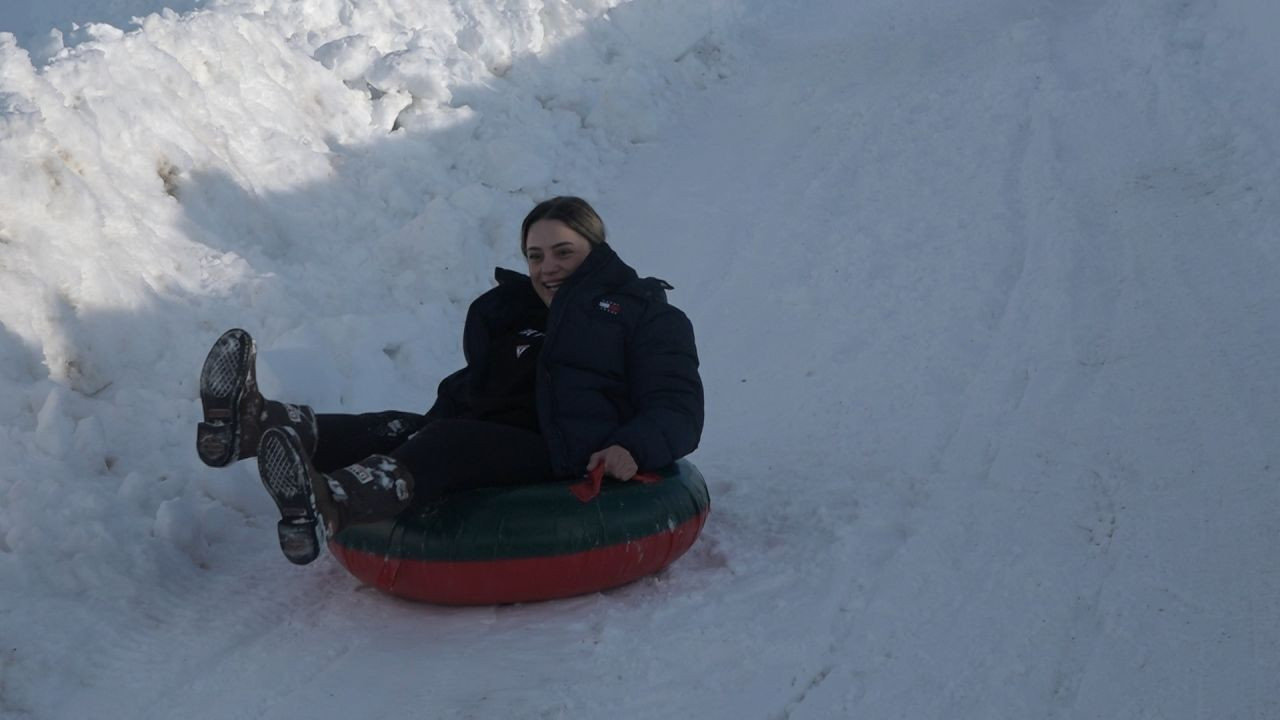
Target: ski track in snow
[986,305]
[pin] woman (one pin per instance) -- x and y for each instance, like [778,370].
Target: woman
[579,364]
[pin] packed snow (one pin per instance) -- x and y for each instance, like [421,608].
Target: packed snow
[986,298]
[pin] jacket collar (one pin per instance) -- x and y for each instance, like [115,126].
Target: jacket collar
[601,266]
[511,277]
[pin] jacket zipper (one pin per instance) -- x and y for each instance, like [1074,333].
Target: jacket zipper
[553,426]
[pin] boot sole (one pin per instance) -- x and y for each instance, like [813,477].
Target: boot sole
[223,380]
[288,478]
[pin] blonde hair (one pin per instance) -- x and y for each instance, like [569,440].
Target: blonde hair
[574,212]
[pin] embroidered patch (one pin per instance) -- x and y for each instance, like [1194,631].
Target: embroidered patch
[610,307]
[362,473]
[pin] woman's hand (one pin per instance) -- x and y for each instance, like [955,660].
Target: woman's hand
[617,461]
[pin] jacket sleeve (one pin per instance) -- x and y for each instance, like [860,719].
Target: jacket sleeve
[665,390]
[451,397]
[454,392]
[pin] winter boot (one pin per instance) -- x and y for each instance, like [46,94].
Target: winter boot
[289,478]
[234,411]
[376,488]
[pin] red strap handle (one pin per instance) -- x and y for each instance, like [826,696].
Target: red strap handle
[587,489]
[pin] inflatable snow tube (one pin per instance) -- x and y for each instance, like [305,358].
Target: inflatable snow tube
[537,542]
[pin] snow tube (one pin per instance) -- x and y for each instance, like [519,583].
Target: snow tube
[536,542]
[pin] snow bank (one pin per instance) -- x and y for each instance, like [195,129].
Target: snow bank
[337,177]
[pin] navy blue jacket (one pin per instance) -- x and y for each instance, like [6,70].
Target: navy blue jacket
[618,365]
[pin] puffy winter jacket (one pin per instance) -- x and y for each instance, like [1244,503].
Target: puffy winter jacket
[618,364]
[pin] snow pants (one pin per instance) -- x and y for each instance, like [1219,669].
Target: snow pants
[442,455]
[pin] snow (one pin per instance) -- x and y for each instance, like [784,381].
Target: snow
[985,296]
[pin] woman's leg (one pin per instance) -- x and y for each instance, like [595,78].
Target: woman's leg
[443,456]
[368,473]
[457,454]
[375,488]
[235,413]
[347,439]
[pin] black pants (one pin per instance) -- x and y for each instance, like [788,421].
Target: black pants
[442,455]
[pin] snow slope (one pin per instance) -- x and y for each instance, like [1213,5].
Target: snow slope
[1010,300]
[985,296]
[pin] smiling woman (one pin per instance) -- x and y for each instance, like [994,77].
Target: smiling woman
[581,366]
[556,237]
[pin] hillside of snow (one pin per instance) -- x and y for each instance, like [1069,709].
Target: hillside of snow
[985,294]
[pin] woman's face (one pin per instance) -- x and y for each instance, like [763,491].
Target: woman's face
[553,252]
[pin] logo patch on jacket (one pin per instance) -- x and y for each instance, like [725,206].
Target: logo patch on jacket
[610,307]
